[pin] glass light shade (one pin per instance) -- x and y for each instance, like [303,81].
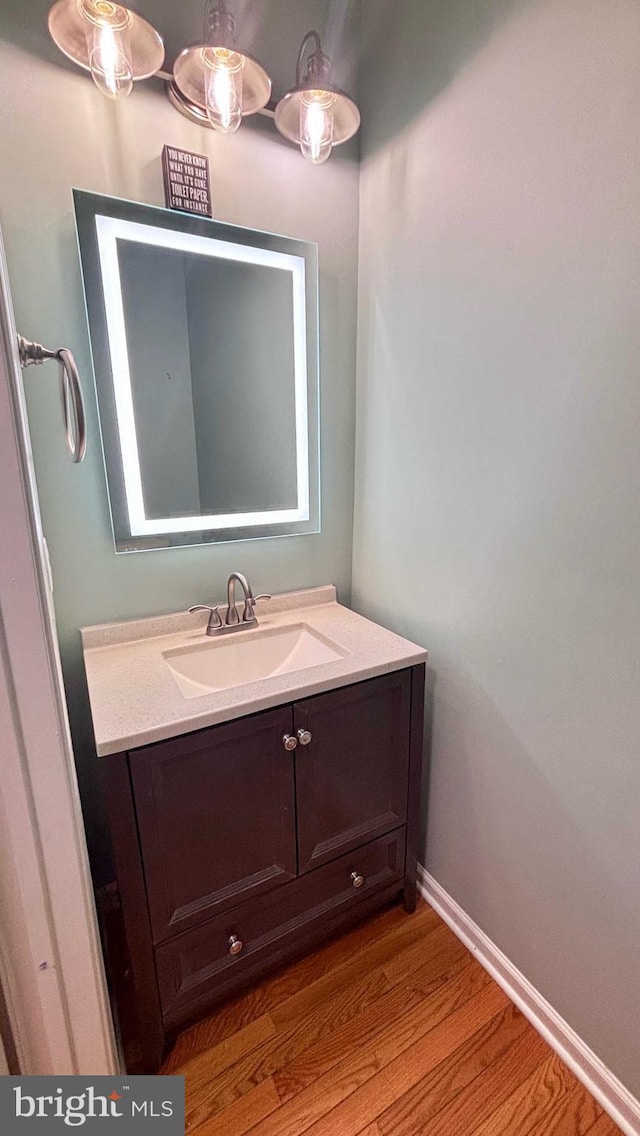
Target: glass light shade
[108,39]
[316,125]
[223,88]
[109,48]
[317,119]
[204,76]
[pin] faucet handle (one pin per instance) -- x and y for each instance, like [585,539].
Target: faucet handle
[215,619]
[249,604]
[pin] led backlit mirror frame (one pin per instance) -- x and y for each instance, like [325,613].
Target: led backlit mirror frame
[101,223]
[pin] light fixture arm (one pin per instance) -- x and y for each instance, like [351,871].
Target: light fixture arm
[318,64]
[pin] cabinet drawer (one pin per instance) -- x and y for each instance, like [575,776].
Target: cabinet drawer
[191,966]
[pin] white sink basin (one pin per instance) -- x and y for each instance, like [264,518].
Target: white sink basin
[220,664]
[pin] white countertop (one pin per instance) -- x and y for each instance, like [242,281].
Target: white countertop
[135,699]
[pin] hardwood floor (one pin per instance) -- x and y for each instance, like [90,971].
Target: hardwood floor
[392,1030]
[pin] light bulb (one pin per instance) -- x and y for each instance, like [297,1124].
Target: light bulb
[109,47]
[223,88]
[316,125]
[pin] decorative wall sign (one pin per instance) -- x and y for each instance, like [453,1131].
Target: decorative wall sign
[187,185]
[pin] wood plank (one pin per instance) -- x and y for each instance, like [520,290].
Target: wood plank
[361,1056]
[603,1126]
[385,1056]
[539,1102]
[392,926]
[449,960]
[243,1114]
[413,959]
[404,1012]
[573,1115]
[432,1093]
[209,1093]
[378,954]
[220,1056]
[467,1110]
[376,1096]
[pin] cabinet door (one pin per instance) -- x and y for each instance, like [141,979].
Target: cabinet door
[216,818]
[351,779]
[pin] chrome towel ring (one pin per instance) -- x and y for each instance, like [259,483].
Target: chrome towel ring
[70,390]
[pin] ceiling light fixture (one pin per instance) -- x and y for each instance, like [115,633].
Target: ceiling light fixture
[116,45]
[215,83]
[316,114]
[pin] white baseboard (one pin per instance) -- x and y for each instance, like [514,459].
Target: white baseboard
[617,1101]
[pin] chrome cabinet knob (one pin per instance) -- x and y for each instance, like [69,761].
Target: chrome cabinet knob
[304,737]
[357,880]
[289,742]
[235,945]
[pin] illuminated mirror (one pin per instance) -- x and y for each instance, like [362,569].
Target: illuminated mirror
[205,343]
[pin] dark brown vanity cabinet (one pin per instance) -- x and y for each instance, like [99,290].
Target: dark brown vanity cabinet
[240,845]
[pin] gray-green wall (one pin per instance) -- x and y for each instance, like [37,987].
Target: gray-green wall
[56,131]
[498,466]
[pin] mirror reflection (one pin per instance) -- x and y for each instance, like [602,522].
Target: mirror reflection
[204,339]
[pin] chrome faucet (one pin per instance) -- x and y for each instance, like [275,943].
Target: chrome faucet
[232,620]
